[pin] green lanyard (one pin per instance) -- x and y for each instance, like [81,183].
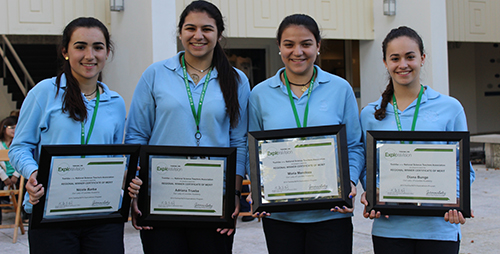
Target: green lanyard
[415,115]
[290,96]
[196,116]
[92,122]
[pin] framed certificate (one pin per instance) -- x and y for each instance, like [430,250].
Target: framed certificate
[418,172]
[187,186]
[299,169]
[84,184]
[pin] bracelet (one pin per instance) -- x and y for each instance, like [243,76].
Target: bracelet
[237,193]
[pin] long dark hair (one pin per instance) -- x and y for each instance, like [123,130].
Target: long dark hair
[228,77]
[389,90]
[8,121]
[72,97]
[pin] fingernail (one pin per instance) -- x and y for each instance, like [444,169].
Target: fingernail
[344,207]
[350,196]
[258,214]
[250,202]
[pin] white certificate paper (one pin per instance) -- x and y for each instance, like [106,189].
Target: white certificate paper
[85,185]
[299,169]
[418,173]
[187,187]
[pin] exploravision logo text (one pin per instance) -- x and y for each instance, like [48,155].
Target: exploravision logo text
[390,154]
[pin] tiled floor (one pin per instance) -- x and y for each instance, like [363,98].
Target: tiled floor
[480,235]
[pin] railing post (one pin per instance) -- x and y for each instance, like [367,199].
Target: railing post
[3,60]
[28,81]
[18,60]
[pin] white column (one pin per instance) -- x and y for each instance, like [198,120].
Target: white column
[164,29]
[143,33]
[436,43]
[428,18]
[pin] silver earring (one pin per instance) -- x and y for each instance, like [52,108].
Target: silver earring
[422,64]
[279,53]
[318,53]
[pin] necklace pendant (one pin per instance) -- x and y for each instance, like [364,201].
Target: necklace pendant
[195,78]
[304,88]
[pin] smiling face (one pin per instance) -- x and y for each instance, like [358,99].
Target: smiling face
[404,60]
[299,50]
[87,53]
[199,36]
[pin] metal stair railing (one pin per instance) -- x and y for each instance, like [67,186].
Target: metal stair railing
[28,81]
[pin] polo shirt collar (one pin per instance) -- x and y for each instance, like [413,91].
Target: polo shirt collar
[429,94]
[106,95]
[174,65]
[321,77]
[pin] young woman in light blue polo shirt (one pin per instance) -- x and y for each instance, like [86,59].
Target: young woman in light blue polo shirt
[161,114]
[427,110]
[300,95]
[73,108]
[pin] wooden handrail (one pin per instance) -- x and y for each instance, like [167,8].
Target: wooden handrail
[13,72]
[18,59]
[31,83]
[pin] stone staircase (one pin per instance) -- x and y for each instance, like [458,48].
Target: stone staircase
[6,103]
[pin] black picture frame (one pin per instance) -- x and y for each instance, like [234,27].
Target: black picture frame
[337,132]
[47,152]
[459,138]
[165,220]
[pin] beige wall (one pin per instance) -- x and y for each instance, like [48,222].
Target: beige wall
[4,28]
[473,20]
[48,17]
[338,19]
